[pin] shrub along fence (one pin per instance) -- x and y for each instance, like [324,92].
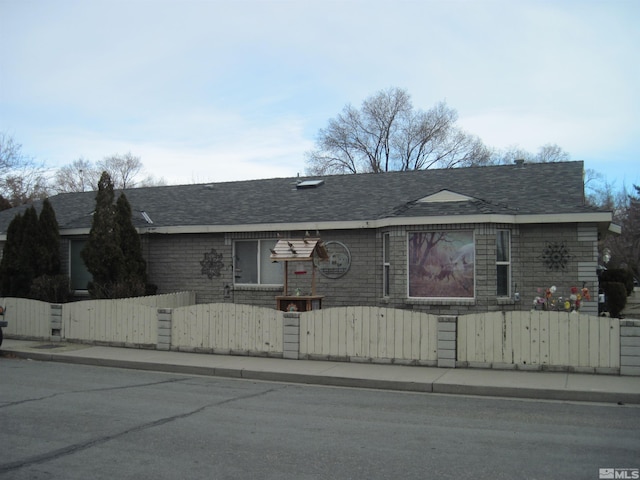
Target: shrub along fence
[556,341]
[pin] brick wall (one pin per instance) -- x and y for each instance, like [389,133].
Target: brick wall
[630,347]
[535,276]
[174,264]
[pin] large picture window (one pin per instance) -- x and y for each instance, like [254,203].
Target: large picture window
[252,263]
[441,264]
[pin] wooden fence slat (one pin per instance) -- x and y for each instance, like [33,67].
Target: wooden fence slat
[574,339]
[535,339]
[614,343]
[416,334]
[583,354]
[594,340]
[461,341]
[507,335]
[603,344]
[543,321]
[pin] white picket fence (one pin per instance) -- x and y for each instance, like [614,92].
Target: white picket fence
[539,338]
[369,333]
[227,328]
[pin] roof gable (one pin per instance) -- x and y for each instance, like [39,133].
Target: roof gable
[445,196]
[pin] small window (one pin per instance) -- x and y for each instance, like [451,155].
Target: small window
[253,265]
[386,264]
[503,263]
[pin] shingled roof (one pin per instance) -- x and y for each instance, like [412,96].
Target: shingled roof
[346,201]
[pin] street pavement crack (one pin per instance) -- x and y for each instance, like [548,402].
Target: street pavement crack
[78,447]
[89,390]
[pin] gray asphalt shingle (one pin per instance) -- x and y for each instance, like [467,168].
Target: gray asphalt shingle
[506,189]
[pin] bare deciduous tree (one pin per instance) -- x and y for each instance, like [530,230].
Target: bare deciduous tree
[625,248]
[21,179]
[79,176]
[387,133]
[83,175]
[10,153]
[546,154]
[122,169]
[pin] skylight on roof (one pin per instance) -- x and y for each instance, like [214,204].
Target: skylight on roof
[309,184]
[146,217]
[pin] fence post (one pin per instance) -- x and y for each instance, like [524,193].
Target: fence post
[164,328]
[291,335]
[447,338]
[630,347]
[55,319]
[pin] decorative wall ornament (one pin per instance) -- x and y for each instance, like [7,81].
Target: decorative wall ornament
[339,260]
[212,264]
[556,256]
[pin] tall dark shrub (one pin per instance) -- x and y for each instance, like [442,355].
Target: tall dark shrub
[616,297]
[135,268]
[49,240]
[10,264]
[28,255]
[51,288]
[32,251]
[49,285]
[102,254]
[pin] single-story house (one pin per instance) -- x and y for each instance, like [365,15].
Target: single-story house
[448,241]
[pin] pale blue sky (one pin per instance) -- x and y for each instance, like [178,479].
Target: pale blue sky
[216,90]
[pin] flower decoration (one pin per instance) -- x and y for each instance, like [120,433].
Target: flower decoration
[546,300]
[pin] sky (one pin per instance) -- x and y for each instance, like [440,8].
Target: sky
[222,90]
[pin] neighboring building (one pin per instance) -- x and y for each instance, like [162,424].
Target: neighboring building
[442,241]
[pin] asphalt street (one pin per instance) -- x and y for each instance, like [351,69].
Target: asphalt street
[65,421]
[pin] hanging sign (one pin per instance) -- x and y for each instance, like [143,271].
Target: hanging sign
[339,260]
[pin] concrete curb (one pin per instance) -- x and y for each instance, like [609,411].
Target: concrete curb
[439,384]
[538,393]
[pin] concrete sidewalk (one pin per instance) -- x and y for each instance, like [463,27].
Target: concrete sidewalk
[500,383]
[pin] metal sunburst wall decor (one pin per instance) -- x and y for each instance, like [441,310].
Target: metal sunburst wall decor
[212,264]
[556,256]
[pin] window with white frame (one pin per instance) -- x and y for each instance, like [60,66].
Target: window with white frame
[386,264]
[252,263]
[503,263]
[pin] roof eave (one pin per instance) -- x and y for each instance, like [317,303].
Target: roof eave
[589,217]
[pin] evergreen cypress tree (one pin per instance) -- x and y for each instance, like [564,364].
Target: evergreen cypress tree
[49,240]
[10,266]
[135,268]
[49,285]
[28,254]
[102,254]
[30,266]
